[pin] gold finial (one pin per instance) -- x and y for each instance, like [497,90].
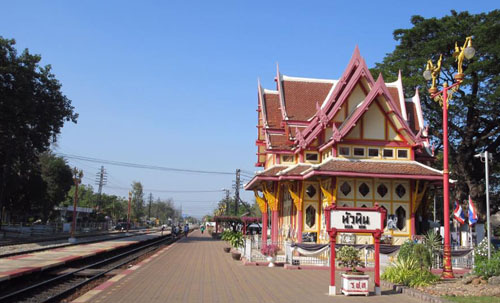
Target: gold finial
[465,51]
[432,72]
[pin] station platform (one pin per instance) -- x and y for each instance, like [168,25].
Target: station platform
[196,269]
[24,264]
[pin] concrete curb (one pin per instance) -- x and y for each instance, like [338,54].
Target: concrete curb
[411,292]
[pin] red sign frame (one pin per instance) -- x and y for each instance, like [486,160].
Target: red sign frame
[376,233]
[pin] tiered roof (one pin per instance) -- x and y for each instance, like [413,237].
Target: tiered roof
[299,109]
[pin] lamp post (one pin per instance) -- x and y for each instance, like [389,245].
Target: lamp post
[77,178]
[432,73]
[486,157]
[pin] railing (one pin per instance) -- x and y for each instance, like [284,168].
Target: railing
[466,261]
[295,258]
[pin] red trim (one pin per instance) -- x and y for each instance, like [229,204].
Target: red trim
[376,143]
[372,175]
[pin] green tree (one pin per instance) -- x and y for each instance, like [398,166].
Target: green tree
[32,113]
[57,178]
[474,110]
[137,200]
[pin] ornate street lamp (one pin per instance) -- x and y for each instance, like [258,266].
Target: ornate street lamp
[432,73]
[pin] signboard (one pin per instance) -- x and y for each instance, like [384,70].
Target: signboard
[355,219]
[352,220]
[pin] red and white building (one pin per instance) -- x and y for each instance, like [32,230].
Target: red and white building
[354,141]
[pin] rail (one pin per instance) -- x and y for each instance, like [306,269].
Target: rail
[56,282]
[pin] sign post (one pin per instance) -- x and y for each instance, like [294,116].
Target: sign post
[352,220]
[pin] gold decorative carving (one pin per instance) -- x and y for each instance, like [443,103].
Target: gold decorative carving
[435,70]
[297,201]
[271,198]
[260,201]
[418,196]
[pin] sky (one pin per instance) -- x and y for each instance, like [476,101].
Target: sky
[174,83]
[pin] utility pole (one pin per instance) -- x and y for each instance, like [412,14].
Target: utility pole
[237,191]
[227,200]
[150,200]
[77,178]
[101,180]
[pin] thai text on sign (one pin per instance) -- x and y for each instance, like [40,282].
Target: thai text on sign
[343,219]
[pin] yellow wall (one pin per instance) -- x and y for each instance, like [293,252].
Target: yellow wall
[357,96]
[391,201]
[374,122]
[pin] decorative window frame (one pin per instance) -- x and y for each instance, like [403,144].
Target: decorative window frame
[373,148]
[393,153]
[407,153]
[359,147]
[282,158]
[311,153]
[343,155]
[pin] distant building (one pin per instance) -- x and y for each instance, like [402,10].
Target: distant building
[355,141]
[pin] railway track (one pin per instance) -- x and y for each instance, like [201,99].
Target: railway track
[105,237]
[67,281]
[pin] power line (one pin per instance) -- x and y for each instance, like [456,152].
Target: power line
[136,165]
[169,191]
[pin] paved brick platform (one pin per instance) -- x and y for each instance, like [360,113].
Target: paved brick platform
[19,265]
[195,269]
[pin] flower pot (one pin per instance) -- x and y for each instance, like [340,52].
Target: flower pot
[236,255]
[271,261]
[227,249]
[355,284]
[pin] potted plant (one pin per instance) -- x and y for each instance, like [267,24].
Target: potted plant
[270,251]
[225,235]
[353,281]
[236,241]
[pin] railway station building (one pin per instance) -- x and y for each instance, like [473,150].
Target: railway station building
[353,141]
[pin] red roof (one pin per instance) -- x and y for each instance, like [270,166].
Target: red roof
[272,110]
[395,96]
[297,170]
[301,98]
[279,141]
[411,113]
[271,172]
[378,167]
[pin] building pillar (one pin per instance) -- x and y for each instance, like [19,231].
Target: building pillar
[274,226]
[300,222]
[264,229]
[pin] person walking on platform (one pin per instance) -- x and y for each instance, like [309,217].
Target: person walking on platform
[186,230]
[202,228]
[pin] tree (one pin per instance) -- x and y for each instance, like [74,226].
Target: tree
[32,113]
[57,178]
[474,110]
[137,200]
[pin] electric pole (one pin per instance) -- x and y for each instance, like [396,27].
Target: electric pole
[227,200]
[237,191]
[149,211]
[101,180]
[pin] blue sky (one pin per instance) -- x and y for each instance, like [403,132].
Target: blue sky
[174,83]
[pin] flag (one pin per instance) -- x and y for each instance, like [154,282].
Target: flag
[472,212]
[458,213]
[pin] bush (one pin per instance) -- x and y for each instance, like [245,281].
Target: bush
[234,238]
[407,271]
[270,250]
[348,256]
[487,268]
[423,256]
[406,250]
